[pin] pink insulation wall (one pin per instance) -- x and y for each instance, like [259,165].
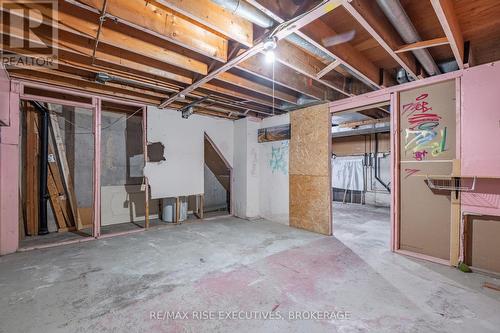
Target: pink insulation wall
[9,175]
[4,98]
[480,138]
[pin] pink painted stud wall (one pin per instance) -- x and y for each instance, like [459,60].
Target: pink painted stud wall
[4,98]
[480,137]
[9,176]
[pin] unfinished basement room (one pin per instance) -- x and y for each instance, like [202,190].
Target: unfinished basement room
[250,166]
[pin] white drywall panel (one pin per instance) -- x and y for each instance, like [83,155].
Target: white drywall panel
[274,180]
[182,172]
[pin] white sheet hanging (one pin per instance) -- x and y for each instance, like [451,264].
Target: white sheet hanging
[347,173]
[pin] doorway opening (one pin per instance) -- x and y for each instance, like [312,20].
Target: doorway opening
[56,187]
[361,173]
[217,181]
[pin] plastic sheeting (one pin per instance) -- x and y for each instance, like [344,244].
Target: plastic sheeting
[347,173]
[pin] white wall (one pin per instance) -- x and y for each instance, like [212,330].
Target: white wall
[246,168]
[274,184]
[260,181]
[182,172]
[260,178]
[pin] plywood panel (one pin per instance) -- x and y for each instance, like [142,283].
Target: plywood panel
[425,215]
[309,145]
[483,248]
[310,183]
[310,203]
[428,123]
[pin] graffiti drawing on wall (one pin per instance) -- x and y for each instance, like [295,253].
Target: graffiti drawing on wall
[279,158]
[410,172]
[423,136]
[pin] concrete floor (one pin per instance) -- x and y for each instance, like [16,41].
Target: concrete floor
[228,264]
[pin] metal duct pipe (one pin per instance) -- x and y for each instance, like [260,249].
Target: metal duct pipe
[400,20]
[44,151]
[254,15]
[377,166]
[247,11]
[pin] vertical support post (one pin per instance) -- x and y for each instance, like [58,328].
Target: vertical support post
[177,210]
[145,149]
[202,205]
[44,147]
[96,221]
[456,220]
[9,175]
[395,144]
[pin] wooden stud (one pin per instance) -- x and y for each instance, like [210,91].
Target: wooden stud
[60,151]
[330,67]
[146,159]
[61,194]
[423,44]
[55,202]
[32,167]
[96,206]
[376,24]
[445,12]
[213,16]
[77,27]
[164,23]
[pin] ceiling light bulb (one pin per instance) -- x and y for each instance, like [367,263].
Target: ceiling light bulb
[270,56]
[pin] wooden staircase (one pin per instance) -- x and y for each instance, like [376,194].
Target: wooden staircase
[215,162]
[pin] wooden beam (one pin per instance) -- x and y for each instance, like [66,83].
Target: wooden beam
[352,124]
[283,76]
[55,78]
[79,22]
[322,9]
[211,15]
[445,12]
[70,56]
[302,62]
[330,67]
[349,57]
[163,23]
[60,150]
[257,87]
[344,52]
[373,20]
[32,170]
[423,44]
[213,87]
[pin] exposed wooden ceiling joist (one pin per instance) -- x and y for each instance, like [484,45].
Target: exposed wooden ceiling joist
[423,44]
[373,20]
[283,76]
[302,62]
[214,17]
[313,33]
[75,48]
[77,26]
[259,88]
[445,12]
[161,22]
[285,31]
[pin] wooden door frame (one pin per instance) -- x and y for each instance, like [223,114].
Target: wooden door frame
[392,95]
